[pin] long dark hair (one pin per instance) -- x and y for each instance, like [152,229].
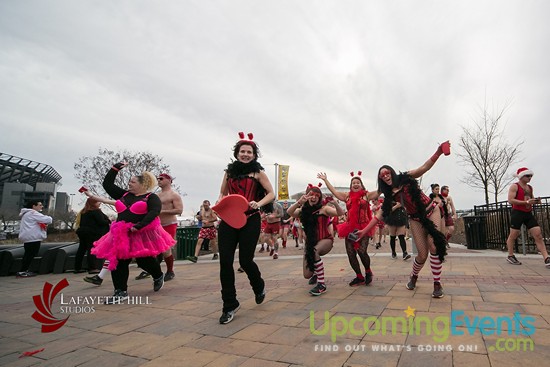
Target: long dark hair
[405,179]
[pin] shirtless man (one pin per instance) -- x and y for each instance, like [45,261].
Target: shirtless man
[208,231]
[172,206]
[272,229]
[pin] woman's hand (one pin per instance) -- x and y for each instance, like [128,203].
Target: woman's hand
[322,176]
[254,205]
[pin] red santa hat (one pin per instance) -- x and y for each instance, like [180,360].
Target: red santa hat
[523,171]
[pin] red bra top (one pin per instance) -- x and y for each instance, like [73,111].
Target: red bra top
[139,207]
[246,186]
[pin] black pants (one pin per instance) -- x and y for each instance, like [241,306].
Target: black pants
[122,272]
[31,250]
[84,247]
[246,238]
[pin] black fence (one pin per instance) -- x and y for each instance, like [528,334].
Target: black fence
[495,225]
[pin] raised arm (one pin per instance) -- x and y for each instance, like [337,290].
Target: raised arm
[109,181]
[337,194]
[295,209]
[418,172]
[99,198]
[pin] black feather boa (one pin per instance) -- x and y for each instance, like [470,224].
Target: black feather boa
[238,169]
[308,218]
[404,179]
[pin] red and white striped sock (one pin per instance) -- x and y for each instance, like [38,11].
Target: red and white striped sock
[416,267]
[320,271]
[104,270]
[436,266]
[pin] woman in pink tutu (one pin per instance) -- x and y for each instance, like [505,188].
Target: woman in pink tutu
[137,233]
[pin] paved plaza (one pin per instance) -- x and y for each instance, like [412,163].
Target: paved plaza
[493,314]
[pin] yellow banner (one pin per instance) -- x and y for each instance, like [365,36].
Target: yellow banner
[283,183]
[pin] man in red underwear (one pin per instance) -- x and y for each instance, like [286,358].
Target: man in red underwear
[522,199]
[208,232]
[172,206]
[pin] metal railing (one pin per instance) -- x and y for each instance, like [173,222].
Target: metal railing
[497,225]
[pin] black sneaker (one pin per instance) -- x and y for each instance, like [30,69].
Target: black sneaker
[143,275]
[412,282]
[313,280]
[406,256]
[357,281]
[94,280]
[158,283]
[393,255]
[512,260]
[117,298]
[547,262]
[193,259]
[228,316]
[79,271]
[169,276]
[260,297]
[438,290]
[319,289]
[215,257]
[368,278]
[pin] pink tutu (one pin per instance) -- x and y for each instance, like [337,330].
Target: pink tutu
[120,243]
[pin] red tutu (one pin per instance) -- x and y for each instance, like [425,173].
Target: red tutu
[120,243]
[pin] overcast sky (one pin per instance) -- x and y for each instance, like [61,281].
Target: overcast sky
[332,86]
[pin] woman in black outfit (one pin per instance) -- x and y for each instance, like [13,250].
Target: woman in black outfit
[137,232]
[93,224]
[245,177]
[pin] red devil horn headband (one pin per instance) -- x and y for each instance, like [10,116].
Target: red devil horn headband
[250,136]
[358,173]
[310,186]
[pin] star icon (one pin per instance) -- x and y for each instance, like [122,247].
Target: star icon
[410,311]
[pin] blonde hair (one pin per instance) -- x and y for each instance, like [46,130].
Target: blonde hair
[148,180]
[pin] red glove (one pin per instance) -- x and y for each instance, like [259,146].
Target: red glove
[443,148]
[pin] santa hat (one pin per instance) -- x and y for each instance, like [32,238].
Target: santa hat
[523,171]
[166,176]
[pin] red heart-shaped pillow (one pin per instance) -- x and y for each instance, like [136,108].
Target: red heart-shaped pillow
[231,210]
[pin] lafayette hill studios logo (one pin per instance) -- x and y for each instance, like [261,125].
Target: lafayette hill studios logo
[43,303]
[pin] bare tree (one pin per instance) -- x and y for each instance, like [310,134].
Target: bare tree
[90,171]
[64,219]
[486,153]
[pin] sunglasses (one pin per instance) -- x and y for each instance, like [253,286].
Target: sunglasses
[160,178]
[528,175]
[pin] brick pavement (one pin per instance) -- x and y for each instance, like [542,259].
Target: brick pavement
[179,326]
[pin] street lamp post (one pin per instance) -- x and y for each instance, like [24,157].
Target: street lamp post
[71,203]
[276,186]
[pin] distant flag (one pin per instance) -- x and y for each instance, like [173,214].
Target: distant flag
[283,182]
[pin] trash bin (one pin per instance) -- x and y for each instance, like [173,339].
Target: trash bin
[475,232]
[187,239]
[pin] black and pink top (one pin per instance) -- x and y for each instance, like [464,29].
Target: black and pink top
[141,209]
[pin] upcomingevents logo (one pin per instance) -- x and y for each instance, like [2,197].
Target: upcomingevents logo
[43,303]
